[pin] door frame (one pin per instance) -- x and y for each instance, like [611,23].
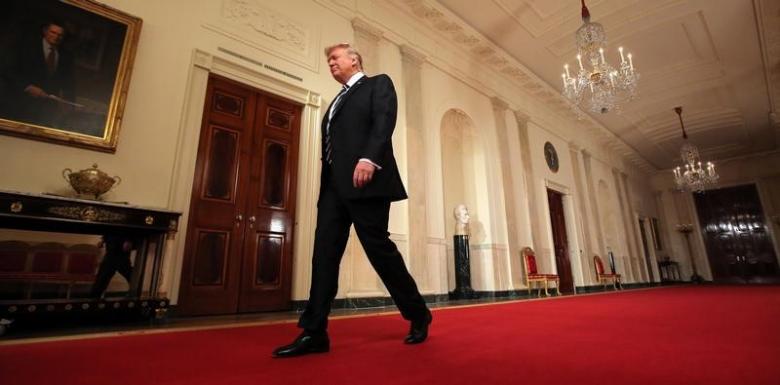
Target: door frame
[650,261]
[572,232]
[222,63]
[768,206]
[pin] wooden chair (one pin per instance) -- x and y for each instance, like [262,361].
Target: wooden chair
[82,265]
[14,261]
[46,272]
[532,274]
[14,257]
[49,269]
[603,276]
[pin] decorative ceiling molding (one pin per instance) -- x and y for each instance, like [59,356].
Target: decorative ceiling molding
[344,8]
[646,15]
[728,148]
[255,25]
[769,11]
[538,23]
[665,128]
[767,14]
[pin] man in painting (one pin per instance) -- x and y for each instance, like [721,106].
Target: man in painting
[41,79]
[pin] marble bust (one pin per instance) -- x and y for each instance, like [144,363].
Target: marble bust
[462,217]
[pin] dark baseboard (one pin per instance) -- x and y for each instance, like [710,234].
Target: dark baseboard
[600,288]
[476,296]
[440,299]
[512,294]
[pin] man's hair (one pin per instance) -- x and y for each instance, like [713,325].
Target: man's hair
[351,51]
[45,26]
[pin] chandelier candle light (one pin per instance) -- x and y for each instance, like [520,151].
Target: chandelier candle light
[695,177]
[608,86]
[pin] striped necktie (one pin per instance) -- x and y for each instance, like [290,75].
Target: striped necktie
[328,141]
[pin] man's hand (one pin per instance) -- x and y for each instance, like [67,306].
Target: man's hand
[36,91]
[364,171]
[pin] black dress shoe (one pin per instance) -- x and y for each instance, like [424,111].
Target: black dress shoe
[304,344]
[419,330]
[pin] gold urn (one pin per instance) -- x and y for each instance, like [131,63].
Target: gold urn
[90,181]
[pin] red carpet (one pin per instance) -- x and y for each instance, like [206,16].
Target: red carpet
[684,335]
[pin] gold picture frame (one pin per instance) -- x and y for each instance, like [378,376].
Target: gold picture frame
[65,70]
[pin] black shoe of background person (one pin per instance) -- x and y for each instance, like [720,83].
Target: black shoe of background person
[418,332]
[305,343]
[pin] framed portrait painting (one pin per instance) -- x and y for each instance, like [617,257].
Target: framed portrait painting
[65,70]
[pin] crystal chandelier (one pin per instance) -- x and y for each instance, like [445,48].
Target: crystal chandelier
[608,86]
[694,177]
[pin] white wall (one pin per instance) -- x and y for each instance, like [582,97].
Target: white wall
[182,40]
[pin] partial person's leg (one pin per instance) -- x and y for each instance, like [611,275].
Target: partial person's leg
[103,277]
[330,240]
[124,267]
[370,217]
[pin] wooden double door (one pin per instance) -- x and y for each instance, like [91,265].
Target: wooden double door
[739,247]
[238,253]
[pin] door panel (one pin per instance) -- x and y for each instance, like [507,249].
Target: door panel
[228,104]
[211,257]
[274,179]
[268,269]
[220,177]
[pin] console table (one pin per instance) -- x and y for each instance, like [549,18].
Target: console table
[50,213]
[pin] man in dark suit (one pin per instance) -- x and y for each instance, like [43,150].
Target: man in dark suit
[358,182]
[42,78]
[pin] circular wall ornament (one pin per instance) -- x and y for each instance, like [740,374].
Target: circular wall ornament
[551,156]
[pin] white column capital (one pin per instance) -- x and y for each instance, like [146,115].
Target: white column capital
[366,29]
[498,103]
[586,154]
[521,117]
[412,55]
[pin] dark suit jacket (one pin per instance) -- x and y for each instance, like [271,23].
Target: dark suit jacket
[25,66]
[362,127]
[31,70]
